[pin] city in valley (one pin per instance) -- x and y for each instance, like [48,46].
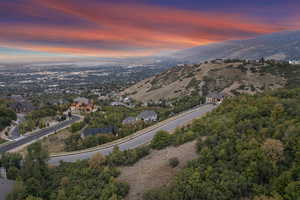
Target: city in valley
[149,100]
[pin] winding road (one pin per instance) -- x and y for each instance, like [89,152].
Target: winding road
[136,140]
[29,138]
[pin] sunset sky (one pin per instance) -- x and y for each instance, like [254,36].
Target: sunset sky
[46,29]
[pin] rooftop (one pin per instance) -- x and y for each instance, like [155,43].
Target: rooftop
[82,100]
[216,95]
[129,120]
[147,113]
[94,131]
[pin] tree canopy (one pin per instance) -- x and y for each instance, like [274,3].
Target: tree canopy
[82,180]
[248,149]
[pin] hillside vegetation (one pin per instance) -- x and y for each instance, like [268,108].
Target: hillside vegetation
[248,149]
[6,115]
[87,179]
[227,76]
[251,150]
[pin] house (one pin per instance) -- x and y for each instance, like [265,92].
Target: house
[109,130]
[218,61]
[294,62]
[20,104]
[215,98]
[116,103]
[129,120]
[148,116]
[82,104]
[127,100]
[57,102]
[81,100]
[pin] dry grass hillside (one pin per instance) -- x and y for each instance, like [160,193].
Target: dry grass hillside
[230,77]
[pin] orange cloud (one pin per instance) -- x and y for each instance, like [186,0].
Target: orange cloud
[126,29]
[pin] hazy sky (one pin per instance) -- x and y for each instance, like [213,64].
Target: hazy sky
[50,29]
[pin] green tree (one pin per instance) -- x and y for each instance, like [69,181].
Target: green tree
[161,140]
[12,173]
[292,191]
[77,126]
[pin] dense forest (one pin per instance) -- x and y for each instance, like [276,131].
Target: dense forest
[249,148]
[89,179]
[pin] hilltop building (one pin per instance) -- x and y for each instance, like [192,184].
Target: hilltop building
[215,98]
[294,62]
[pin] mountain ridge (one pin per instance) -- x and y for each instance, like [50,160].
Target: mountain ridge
[279,46]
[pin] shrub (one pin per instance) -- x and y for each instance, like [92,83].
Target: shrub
[77,126]
[156,194]
[173,162]
[161,140]
[181,137]
[127,157]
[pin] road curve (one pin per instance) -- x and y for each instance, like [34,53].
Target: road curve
[37,135]
[141,139]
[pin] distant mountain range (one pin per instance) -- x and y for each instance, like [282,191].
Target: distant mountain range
[279,46]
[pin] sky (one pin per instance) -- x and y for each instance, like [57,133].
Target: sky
[54,29]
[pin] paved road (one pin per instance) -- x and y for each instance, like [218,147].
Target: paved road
[15,132]
[139,140]
[34,136]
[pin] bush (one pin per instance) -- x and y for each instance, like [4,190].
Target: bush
[161,140]
[77,126]
[182,136]
[156,194]
[85,179]
[6,117]
[127,157]
[173,162]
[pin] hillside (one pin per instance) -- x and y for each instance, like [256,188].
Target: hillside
[227,76]
[250,152]
[279,46]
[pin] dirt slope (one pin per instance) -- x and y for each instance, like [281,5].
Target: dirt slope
[153,171]
[215,76]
